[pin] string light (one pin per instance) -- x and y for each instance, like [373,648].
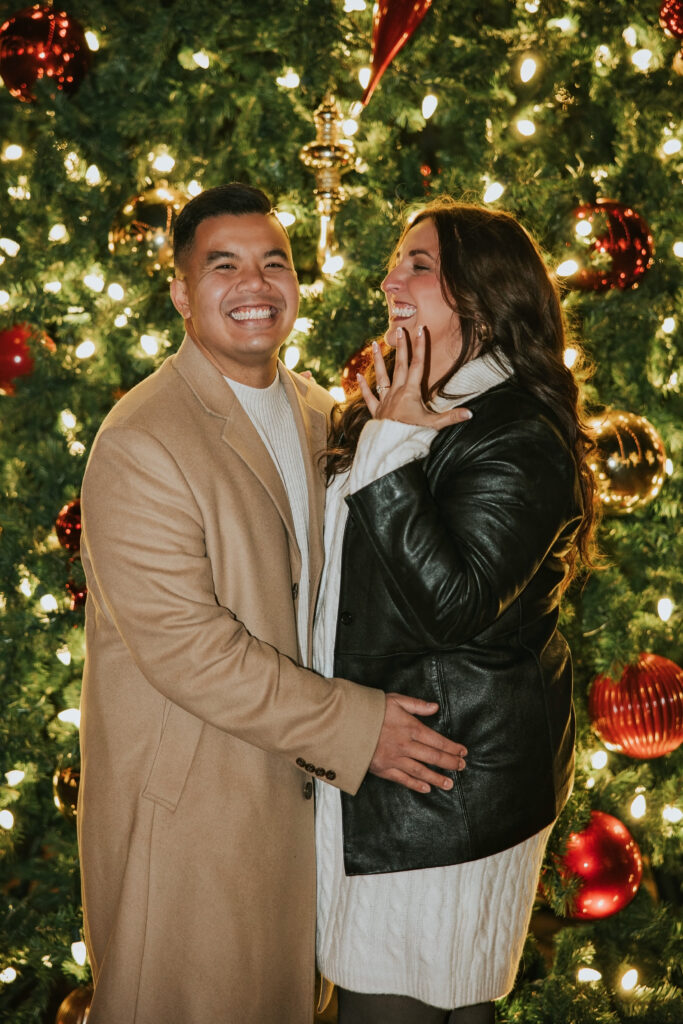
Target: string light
[671,146]
[201,59]
[15,776]
[669,325]
[149,344]
[25,587]
[569,357]
[67,419]
[285,217]
[6,822]
[364,77]
[672,814]
[94,281]
[350,126]
[532,6]
[9,246]
[71,716]
[85,349]
[92,41]
[9,974]
[332,265]
[602,55]
[642,59]
[338,393]
[678,249]
[120,320]
[52,287]
[194,188]
[303,324]
[669,467]
[665,607]
[92,175]
[292,356]
[528,69]
[63,654]
[354,5]
[12,152]
[48,603]
[525,127]
[629,36]
[289,80]
[583,228]
[79,952]
[429,105]
[638,806]
[567,268]
[588,974]
[163,162]
[4,297]
[564,24]
[58,233]
[629,980]
[599,759]
[116,292]
[76,448]
[493,191]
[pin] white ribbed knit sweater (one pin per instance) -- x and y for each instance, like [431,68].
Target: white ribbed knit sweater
[448,936]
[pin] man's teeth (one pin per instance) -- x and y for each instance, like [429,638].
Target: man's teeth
[404,311]
[254,313]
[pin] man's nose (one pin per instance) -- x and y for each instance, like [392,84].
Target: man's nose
[253,278]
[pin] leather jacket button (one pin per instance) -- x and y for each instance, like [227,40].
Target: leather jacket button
[308,790]
[310,768]
[330,775]
[301,763]
[320,772]
[295,590]
[346,618]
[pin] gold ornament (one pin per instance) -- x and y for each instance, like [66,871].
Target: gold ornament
[630,462]
[65,783]
[76,1007]
[145,224]
[328,157]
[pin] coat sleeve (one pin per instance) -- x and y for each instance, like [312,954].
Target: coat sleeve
[144,551]
[455,559]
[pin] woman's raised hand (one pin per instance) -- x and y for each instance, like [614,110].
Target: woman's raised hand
[401,398]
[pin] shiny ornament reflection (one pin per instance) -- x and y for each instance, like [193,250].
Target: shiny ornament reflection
[75,1009]
[68,525]
[42,43]
[393,24]
[620,247]
[606,858]
[16,359]
[671,18]
[65,783]
[630,462]
[641,714]
[145,225]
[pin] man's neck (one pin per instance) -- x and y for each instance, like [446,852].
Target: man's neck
[257,375]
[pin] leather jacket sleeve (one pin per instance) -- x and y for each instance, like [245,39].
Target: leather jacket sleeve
[460,534]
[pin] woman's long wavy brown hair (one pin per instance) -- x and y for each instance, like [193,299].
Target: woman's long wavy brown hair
[493,276]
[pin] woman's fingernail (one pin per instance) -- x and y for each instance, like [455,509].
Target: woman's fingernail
[468,414]
[448,784]
[420,331]
[399,332]
[375,347]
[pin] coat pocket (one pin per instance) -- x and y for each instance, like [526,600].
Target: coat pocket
[175,753]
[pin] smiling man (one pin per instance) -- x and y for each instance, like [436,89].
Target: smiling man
[201,730]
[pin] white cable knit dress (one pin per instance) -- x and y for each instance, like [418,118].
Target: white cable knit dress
[448,936]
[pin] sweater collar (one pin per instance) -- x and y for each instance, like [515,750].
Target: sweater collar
[476,376]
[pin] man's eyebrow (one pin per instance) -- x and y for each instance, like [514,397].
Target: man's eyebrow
[225,254]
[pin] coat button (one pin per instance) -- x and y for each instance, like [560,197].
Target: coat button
[346,618]
[310,767]
[320,772]
[330,775]
[308,790]
[295,590]
[301,762]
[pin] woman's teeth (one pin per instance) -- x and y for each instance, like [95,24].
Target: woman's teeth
[403,312]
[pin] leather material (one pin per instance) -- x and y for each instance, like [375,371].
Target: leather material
[451,577]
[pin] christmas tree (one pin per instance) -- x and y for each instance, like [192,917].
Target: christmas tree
[568,115]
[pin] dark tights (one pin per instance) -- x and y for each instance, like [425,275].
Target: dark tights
[359,1008]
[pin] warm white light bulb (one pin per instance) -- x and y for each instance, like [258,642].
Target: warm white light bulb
[121,320]
[4,297]
[85,349]
[63,654]
[48,603]
[289,80]
[58,233]
[583,228]
[638,806]
[25,587]
[528,69]
[6,822]
[669,325]
[285,217]
[67,419]
[116,292]
[629,980]
[353,5]
[672,814]
[602,54]
[94,281]
[79,953]
[570,356]
[12,152]
[493,191]
[364,77]
[71,716]
[678,249]
[567,268]
[338,393]
[292,356]
[194,188]
[665,607]
[629,36]
[15,776]
[52,287]
[9,974]
[588,974]
[429,105]
[599,759]
[303,324]
[92,41]
[332,265]
[671,146]
[349,126]
[526,127]
[642,59]
[201,59]
[92,175]
[149,344]
[163,162]
[669,467]
[9,246]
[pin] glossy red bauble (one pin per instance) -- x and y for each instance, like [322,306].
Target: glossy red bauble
[393,24]
[68,525]
[606,858]
[640,714]
[620,247]
[671,18]
[42,42]
[16,359]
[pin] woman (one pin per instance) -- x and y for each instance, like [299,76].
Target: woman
[448,544]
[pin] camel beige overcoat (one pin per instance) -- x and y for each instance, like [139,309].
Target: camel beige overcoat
[195,819]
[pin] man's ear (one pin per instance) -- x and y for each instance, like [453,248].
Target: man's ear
[180,299]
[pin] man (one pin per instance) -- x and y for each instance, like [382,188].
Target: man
[202,513]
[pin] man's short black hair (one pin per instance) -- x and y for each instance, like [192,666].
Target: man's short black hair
[235,199]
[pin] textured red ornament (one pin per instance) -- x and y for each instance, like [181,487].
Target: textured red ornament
[671,18]
[76,1007]
[629,462]
[78,592]
[640,714]
[393,24]
[39,42]
[606,858]
[15,355]
[621,251]
[68,525]
[359,362]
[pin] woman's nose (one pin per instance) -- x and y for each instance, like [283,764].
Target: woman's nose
[391,282]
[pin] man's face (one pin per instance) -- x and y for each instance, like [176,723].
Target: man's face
[238,292]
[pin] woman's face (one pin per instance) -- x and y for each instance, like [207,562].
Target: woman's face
[413,291]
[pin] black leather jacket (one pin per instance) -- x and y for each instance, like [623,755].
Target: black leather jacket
[451,576]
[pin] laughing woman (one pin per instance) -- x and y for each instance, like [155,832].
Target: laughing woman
[449,542]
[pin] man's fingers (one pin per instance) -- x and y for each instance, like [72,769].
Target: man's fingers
[414,705]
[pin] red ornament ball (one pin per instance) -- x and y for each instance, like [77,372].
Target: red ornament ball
[620,246]
[68,525]
[393,24]
[640,714]
[40,42]
[671,18]
[16,359]
[75,1009]
[629,462]
[606,858]
[360,362]
[78,593]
